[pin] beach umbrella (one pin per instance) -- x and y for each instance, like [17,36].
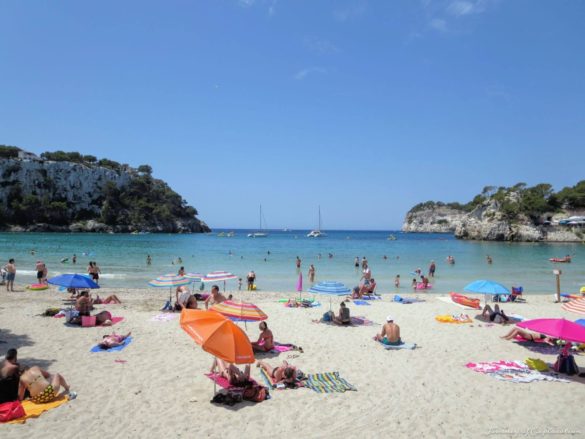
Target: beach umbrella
[77,281]
[486,287]
[218,276]
[300,284]
[218,335]
[577,306]
[562,329]
[330,288]
[170,281]
[239,311]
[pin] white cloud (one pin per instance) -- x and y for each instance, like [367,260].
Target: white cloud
[438,24]
[246,3]
[460,8]
[321,46]
[304,73]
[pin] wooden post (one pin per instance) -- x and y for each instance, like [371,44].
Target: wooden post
[557,274]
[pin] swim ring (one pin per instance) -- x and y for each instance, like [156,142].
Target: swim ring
[420,286]
[37,287]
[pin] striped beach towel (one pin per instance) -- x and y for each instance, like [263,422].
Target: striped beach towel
[329,382]
[576,306]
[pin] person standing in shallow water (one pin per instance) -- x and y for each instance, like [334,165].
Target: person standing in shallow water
[10,275]
[432,269]
[148,260]
[311,273]
[298,263]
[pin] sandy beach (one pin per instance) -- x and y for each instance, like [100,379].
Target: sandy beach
[156,387]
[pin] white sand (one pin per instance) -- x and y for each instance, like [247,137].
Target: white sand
[161,391]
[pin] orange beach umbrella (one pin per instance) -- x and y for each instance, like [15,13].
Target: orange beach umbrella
[217,335]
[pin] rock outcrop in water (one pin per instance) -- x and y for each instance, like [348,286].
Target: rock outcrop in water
[64,192]
[506,214]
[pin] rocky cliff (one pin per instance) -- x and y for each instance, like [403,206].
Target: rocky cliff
[433,218]
[37,194]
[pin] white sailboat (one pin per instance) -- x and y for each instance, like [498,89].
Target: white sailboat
[317,233]
[259,233]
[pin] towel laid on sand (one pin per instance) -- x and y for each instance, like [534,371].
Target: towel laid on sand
[406,300]
[361,302]
[33,410]
[329,382]
[355,321]
[513,371]
[463,318]
[126,342]
[164,317]
[372,297]
[400,346]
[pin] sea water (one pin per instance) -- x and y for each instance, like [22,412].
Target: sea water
[122,258]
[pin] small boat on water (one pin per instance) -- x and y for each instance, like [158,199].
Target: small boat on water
[260,233]
[566,259]
[391,238]
[221,234]
[317,233]
[230,234]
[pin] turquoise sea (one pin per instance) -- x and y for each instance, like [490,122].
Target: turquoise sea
[122,258]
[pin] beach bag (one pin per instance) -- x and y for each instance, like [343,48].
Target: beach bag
[566,364]
[255,393]
[11,410]
[536,364]
[327,316]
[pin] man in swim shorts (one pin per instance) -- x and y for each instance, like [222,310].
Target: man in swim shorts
[10,275]
[390,334]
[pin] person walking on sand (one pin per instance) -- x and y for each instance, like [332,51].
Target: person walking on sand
[311,273]
[10,275]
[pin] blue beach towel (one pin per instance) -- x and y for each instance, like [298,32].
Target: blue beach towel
[400,346]
[97,348]
[405,300]
[361,302]
[371,297]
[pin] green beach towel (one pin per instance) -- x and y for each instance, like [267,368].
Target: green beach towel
[329,382]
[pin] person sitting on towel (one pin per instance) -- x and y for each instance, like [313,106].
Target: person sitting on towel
[495,315]
[185,299]
[265,340]
[343,318]
[286,374]
[9,377]
[214,297]
[390,334]
[84,304]
[372,287]
[113,340]
[231,372]
[528,336]
[42,386]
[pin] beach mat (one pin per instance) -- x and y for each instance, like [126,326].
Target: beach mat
[400,346]
[453,319]
[33,410]
[371,297]
[329,382]
[361,302]
[220,380]
[513,371]
[126,342]
[406,300]
[267,379]
[164,317]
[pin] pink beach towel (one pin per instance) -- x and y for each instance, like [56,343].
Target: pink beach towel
[223,382]
[522,339]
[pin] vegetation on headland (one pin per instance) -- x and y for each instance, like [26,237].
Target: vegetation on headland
[141,203]
[520,200]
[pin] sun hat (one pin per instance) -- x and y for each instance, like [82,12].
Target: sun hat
[389,318]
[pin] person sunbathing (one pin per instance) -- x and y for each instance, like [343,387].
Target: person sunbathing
[285,374]
[390,334]
[110,299]
[231,372]
[42,386]
[113,340]
[265,340]
[528,336]
[495,315]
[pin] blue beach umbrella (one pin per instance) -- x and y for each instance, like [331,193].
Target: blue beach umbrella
[77,281]
[486,287]
[330,288]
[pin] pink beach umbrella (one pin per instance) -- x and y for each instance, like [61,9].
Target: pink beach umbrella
[562,329]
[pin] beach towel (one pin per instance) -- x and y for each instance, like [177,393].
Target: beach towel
[126,342]
[329,382]
[371,297]
[400,346]
[463,318]
[33,410]
[223,382]
[513,371]
[361,302]
[406,300]
[164,317]
[277,349]
[361,321]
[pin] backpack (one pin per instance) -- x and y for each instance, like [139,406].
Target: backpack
[566,364]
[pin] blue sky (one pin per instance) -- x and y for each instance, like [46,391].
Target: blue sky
[363,107]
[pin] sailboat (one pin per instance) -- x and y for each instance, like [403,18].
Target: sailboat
[259,233]
[317,233]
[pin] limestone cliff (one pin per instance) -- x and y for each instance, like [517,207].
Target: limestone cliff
[433,217]
[38,194]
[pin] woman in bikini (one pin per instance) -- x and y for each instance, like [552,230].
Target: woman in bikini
[528,336]
[284,374]
[231,373]
[113,340]
[265,340]
[42,386]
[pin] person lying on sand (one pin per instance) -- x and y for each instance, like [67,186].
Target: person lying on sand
[110,299]
[285,374]
[265,339]
[390,334]
[42,386]
[113,340]
[231,372]
[214,297]
[528,336]
[495,315]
